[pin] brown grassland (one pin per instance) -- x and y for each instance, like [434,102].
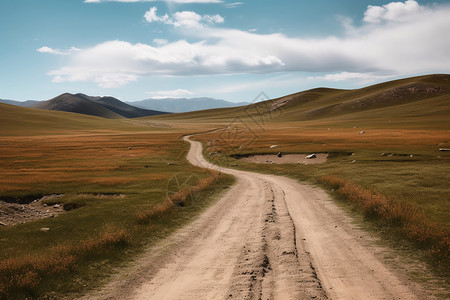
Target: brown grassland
[83,245]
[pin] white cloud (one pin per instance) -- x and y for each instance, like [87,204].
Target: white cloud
[49,50]
[182,19]
[343,76]
[178,93]
[233,4]
[409,44]
[169,1]
[160,42]
[394,11]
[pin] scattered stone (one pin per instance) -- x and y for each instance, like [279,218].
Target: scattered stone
[311,156]
[44,229]
[129,148]
[362,132]
[279,154]
[411,155]
[274,146]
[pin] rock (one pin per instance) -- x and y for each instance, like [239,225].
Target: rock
[57,206]
[352,162]
[279,154]
[274,146]
[234,165]
[362,132]
[2,224]
[44,229]
[311,156]
[129,148]
[444,149]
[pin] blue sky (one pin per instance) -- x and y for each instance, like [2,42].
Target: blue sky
[232,50]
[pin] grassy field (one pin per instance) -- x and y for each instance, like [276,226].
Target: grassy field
[113,183]
[121,177]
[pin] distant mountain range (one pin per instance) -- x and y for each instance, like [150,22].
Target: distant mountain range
[28,103]
[112,108]
[178,105]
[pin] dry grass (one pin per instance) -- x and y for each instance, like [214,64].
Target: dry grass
[396,213]
[36,163]
[177,199]
[21,275]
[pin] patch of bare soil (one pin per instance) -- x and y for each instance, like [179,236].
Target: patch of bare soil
[20,212]
[319,158]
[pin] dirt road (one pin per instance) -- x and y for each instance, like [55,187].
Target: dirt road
[268,237]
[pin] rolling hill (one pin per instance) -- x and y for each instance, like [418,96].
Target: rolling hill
[423,99]
[179,105]
[24,121]
[105,107]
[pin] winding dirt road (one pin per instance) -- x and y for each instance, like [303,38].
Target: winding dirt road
[268,237]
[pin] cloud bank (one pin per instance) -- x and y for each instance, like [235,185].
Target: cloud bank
[399,38]
[178,93]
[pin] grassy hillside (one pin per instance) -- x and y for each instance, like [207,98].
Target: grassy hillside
[423,100]
[21,121]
